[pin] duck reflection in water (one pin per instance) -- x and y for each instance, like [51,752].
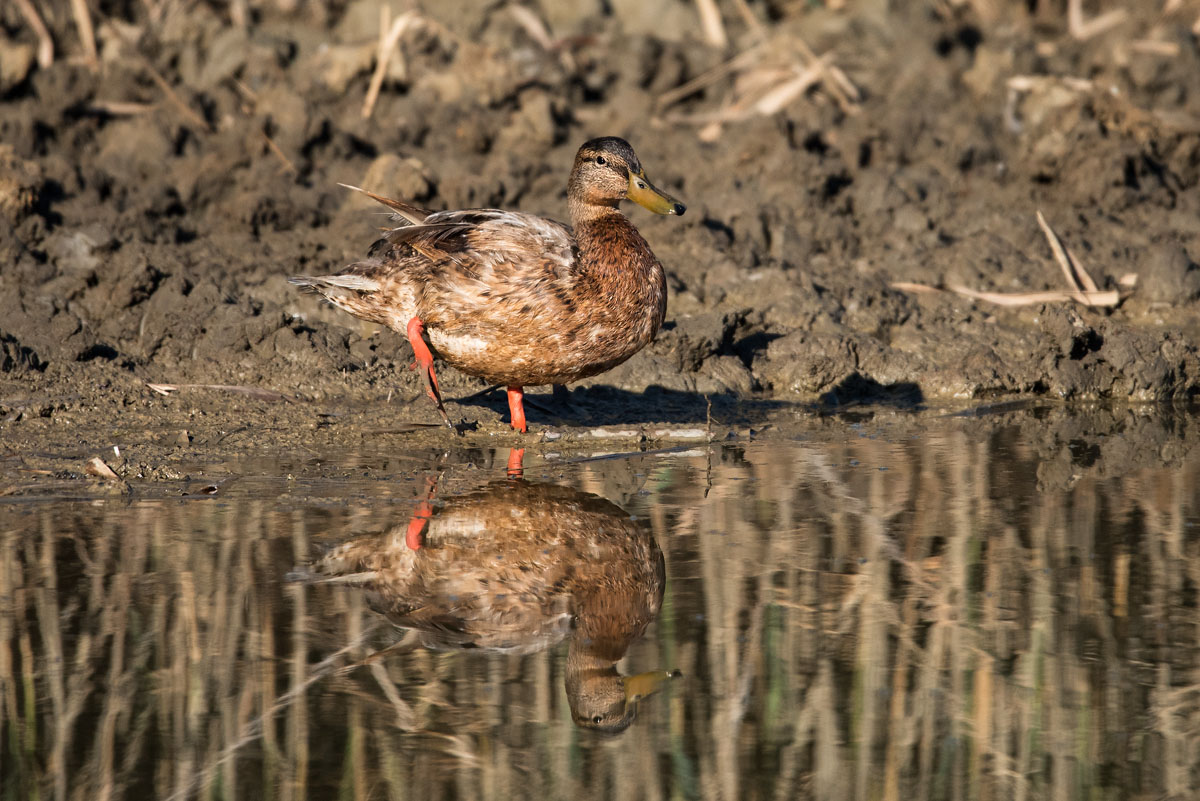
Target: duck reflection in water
[514,568]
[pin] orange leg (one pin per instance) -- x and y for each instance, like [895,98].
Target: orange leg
[516,467]
[424,363]
[414,536]
[516,409]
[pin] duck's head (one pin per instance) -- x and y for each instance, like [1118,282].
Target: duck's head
[607,171]
[599,696]
[608,702]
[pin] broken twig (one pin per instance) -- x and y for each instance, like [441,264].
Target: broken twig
[538,31]
[120,108]
[45,48]
[389,37]
[1082,30]
[87,35]
[190,116]
[711,23]
[1076,275]
[1084,289]
[254,392]
[279,154]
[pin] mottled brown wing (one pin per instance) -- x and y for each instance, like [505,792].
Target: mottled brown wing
[482,240]
[484,264]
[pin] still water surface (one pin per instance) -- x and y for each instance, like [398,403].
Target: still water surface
[964,609]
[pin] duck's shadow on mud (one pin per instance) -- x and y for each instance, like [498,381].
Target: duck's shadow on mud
[611,406]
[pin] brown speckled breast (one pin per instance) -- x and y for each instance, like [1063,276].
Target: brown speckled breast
[550,324]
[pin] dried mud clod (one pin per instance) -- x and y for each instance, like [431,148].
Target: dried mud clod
[154,195]
[20,182]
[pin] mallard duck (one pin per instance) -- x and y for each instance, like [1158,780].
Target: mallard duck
[514,568]
[513,298]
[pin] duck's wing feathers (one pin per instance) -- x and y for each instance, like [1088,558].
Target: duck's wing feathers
[414,214]
[484,244]
[479,265]
[485,252]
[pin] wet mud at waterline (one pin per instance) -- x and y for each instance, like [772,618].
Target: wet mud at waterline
[995,607]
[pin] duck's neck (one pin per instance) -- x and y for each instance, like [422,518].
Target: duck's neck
[614,254]
[594,687]
[592,665]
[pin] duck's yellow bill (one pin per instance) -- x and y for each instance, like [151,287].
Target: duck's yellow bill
[643,684]
[648,196]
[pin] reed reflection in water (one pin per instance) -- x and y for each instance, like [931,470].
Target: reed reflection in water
[971,613]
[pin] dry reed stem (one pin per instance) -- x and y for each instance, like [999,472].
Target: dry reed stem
[778,86]
[784,93]
[190,117]
[121,108]
[285,162]
[1155,47]
[708,77]
[748,16]
[1101,298]
[763,92]
[839,85]
[248,94]
[297,722]
[1082,29]
[239,13]
[254,392]
[389,38]
[1076,275]
[764,84]
[537,30]
[533,25]
[87,35]
[1108,299]
[45,48]
[711,23]
[1027,83]
[1084,289]
[843,90]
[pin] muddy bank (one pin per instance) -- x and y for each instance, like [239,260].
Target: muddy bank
[151,210]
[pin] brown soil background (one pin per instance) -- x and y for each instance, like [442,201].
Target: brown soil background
[153,203]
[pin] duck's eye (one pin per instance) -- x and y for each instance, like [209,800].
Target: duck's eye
[601,160]
[598,718]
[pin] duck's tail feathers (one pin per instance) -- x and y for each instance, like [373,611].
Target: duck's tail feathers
[329,285]
[307,574]
[414,214]
[357,294]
